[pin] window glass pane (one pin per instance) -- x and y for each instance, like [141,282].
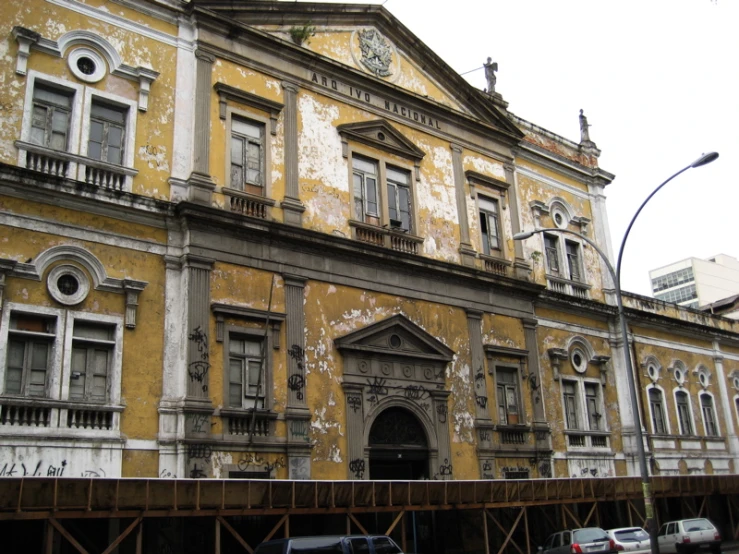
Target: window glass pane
[40,354]
[115,136]
[365,166]
[246,128]
[398,176]
[392,202]
[404,206]
[78,377]
[385,546]
[254,369]
[59,121]
[254,163]
[488,205]
[358,196]
[114,155]
[371,185]
[52,96]
[253,347]
[359,546]
[109,113]
[93,331]
[14,371]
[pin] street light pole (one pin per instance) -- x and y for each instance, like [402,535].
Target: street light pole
[616,276]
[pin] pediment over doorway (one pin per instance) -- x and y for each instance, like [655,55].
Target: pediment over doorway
[396,336]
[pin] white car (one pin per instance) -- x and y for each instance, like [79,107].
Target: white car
[633,540]
[686,536]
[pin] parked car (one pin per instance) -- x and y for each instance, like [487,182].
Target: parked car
[579,541]
[334,544]
[689,535]
[633,540]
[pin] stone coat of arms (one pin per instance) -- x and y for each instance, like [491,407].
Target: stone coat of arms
[377,54]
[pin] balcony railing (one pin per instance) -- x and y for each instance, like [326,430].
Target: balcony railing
[62,164]
[248,204]
[587,439]
[17,414]
[496,266]
[239,423]
[395,239]
[571,288]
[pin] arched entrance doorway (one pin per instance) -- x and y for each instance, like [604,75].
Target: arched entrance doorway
[398,447]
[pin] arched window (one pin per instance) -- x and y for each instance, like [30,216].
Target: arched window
[709,415]
[657,406]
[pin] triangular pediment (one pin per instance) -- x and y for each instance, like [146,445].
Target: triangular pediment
[396,336]
[383,136]
[343,41]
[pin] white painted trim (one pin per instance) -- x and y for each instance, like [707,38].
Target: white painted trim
[55,357]
[83,233]
[665,414]
[73,138]
[141,444]
[690,411]
[118,21]
[715,414]
[116,363]
[129,145]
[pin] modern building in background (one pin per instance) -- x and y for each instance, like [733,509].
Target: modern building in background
[274,240]
[695,282]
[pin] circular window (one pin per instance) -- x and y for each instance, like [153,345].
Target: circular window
[579,361]
[395,341]
[68,284]
[703,378]
[87,65]
[679,376]
[559,216]
[653,372]
[381,136]
[736,383]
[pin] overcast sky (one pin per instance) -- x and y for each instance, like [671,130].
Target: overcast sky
[658,81]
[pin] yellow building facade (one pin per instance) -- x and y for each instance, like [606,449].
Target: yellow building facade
[275,240]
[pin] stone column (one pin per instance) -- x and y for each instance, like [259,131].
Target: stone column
[466,252]
[297,415]
[726,402]
[200,184]
[521,267]
[292,207]
[358,465]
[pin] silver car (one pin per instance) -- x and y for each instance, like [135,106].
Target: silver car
[633,540]
[686,536]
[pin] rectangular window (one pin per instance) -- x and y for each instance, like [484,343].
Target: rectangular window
[50,120]
[573,260]
[507,396]
[551,247]
[107,130]
[92,351]
[489,224]
[399,198]
[592,403]
[30,339]
[365,190]
[658,411]
[683,413]
[569,394]
[709,416]
[247,156]
[246,373]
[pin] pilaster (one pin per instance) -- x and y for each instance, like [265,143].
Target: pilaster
[483,423]
[200,184]
[466,252]
[534,377]
[291,205]
[521,267]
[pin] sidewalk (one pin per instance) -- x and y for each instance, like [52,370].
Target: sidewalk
[730,546]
